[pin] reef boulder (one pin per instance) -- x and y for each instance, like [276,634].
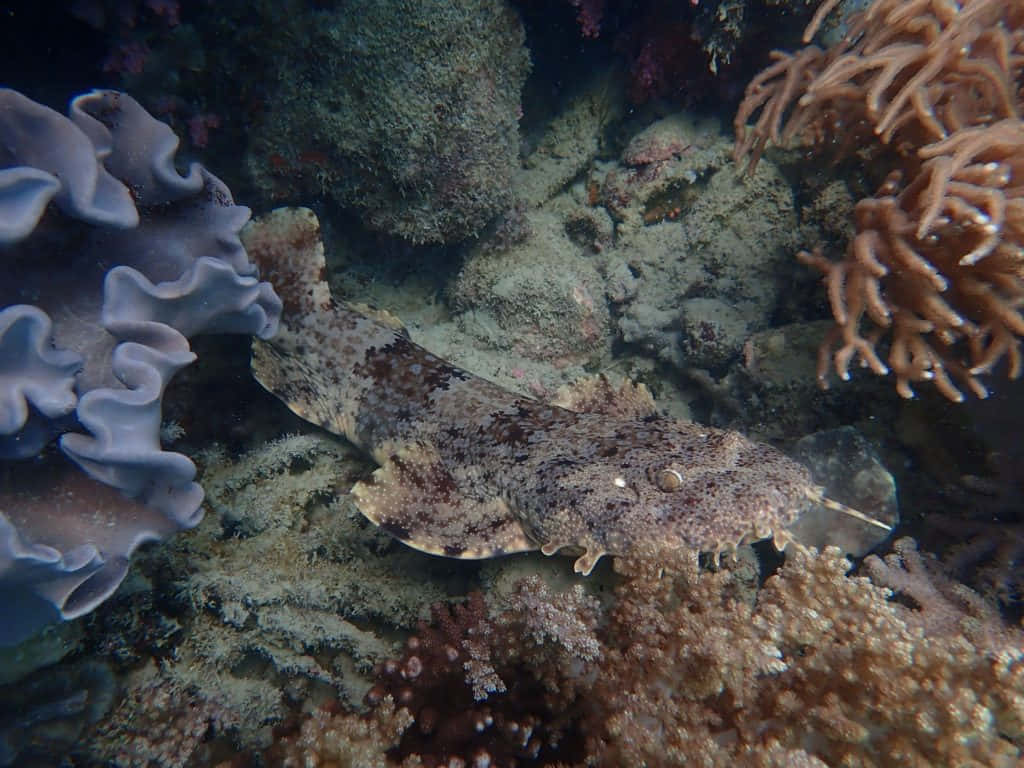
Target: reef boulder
[406,112]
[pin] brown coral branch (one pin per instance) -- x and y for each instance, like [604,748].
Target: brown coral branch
[937,262]
[774,97]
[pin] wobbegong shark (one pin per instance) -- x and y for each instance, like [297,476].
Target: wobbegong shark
[468,469]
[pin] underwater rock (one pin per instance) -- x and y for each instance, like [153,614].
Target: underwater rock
[543,298]
[572,141]
[44,716]
[712,333]
[690,229]
[849,469]
[408,113]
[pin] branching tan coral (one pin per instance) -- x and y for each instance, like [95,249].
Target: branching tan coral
[691,667]
[824,667]
[933,88]
[343,740]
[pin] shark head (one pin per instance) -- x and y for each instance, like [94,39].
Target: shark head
[638,487]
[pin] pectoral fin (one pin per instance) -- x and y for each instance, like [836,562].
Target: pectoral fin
[417,499]
[584,563]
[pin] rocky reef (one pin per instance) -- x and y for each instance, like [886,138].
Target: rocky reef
[600,233]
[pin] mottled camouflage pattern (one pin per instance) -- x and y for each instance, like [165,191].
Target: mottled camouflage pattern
[471,470]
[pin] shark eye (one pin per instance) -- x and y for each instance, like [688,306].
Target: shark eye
[668,480]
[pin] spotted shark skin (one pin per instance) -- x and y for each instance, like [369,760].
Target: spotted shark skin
[469,469]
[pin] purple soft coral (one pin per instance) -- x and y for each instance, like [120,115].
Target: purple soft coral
[95,317]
